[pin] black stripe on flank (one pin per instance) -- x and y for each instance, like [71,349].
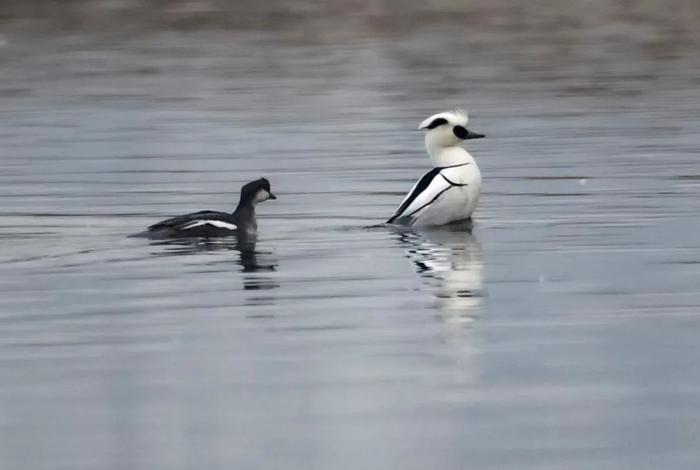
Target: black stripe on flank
[454,166]
[428,203]
[451,183]
[420,187]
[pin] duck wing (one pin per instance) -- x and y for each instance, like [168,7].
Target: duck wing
[196,219]
[426,191]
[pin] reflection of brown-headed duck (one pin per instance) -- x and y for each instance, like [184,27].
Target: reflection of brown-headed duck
[217,224]
[450,191]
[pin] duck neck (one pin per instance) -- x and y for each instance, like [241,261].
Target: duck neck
[245,215]
[448,156]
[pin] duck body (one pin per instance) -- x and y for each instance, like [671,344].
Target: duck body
[448,193]
[442,196]
[197,224]
[208,224]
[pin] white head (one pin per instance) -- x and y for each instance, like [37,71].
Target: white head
[446,129]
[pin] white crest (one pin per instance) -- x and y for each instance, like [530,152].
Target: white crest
[454,118]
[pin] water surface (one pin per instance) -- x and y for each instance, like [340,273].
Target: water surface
[562,332]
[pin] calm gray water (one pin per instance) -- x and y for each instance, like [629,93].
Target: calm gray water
[563,332]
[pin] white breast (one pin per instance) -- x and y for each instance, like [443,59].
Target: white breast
[466,174]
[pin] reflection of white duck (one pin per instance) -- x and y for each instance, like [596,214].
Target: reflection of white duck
[450,263]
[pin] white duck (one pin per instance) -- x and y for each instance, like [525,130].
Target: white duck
[450,191]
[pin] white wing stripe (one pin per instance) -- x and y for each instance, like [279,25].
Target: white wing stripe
[215,223]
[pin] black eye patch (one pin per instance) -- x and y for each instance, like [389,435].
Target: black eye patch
[436,122]
[460,132]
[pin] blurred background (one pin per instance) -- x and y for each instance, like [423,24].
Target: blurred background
[562,333]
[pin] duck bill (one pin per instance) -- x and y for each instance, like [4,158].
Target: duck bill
[473,135]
